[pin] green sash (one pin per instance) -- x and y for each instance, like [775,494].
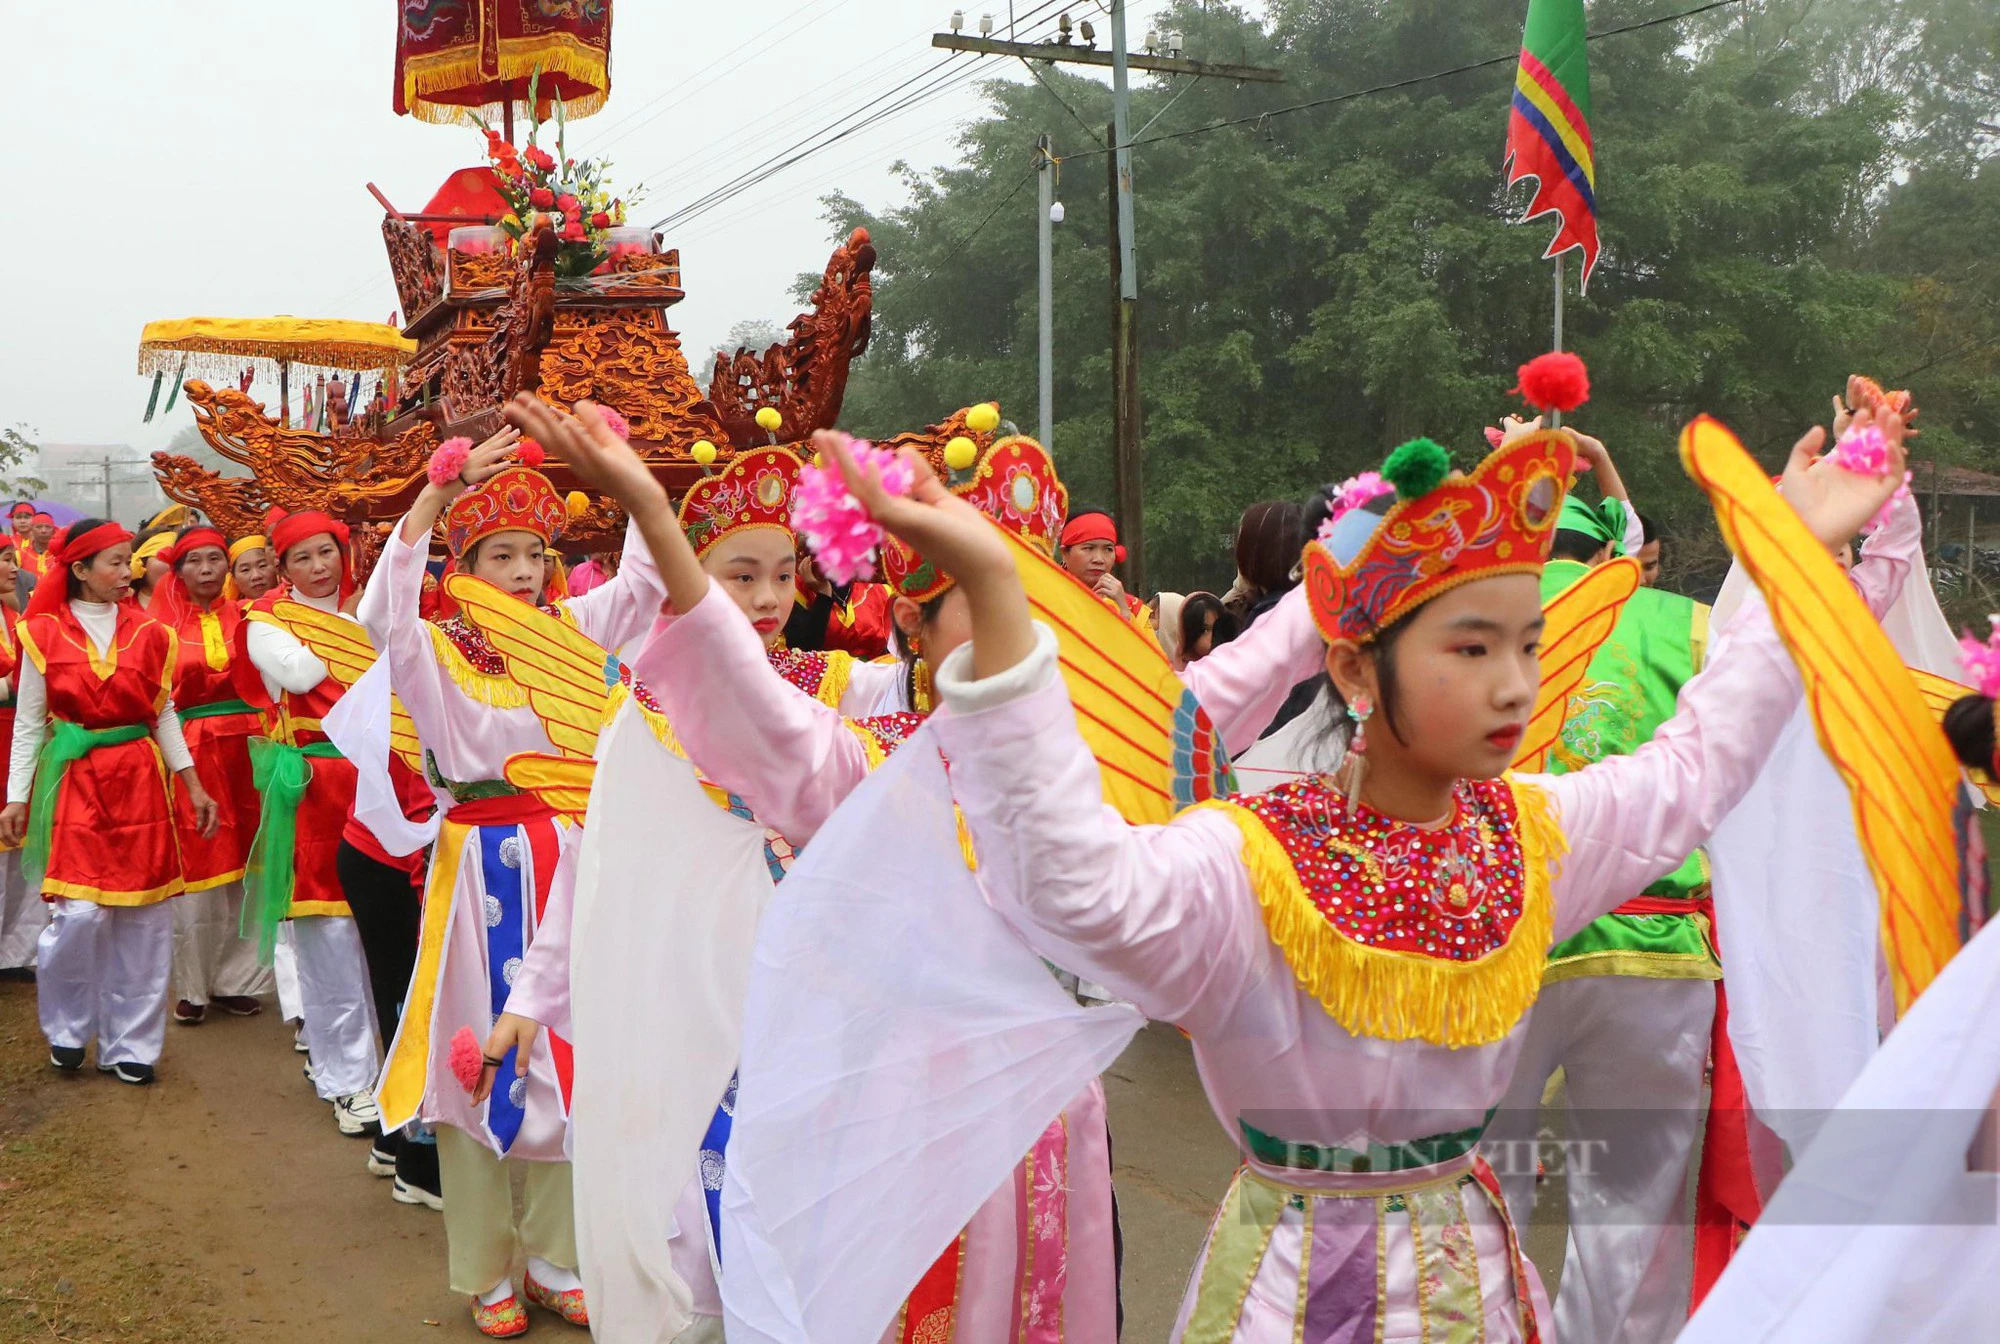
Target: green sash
[66,743]
[213,710]
[281,772]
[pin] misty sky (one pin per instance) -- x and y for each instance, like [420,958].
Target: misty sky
[207,157]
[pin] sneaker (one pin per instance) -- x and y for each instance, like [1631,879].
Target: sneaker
[238,1005]
[355,1113]
[503,1320]
[382,1153]
[68,1058]
[139,1075]
[567,1304]
[417,1176]
[299,1042]
[189,1014]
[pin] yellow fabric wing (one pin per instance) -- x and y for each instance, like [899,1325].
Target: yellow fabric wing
[345,648]
[1871,719]
[566,674]
[1578,620]
[341,644]
[563,782]
[1154,744]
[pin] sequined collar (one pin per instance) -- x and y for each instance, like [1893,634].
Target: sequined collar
[1403,931]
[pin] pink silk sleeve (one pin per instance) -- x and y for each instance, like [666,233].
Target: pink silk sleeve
[1630,820]
[620,609]
[1243,683]
[388,609]
[745,727]
[1887,558]
[1162,915]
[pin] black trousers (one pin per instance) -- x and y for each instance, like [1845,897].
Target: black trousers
[387,913]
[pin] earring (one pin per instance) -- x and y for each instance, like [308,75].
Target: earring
[1354,765]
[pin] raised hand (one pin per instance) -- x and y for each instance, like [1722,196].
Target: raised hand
[1834,502]
[958,539]
[606,462]
[588,446]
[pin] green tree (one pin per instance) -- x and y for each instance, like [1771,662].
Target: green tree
[1779,206]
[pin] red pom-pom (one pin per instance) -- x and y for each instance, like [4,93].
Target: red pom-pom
[1557,381]
[529,453]
[467,1060]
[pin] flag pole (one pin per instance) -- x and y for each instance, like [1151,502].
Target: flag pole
[1555,417]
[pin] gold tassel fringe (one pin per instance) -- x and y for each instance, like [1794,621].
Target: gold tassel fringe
[1399,996]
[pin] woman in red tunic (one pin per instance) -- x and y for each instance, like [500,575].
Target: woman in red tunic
[93,722]
[308,795]
[212,963]
[22,913]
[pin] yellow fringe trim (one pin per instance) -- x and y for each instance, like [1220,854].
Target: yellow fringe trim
[77,891]
[554,53]
[871,749]
[1399,996]
[498,692]
[833,686]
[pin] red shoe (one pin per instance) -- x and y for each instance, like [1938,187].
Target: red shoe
[567,1304]
[237,1005]
[503,1320]
[189,1014]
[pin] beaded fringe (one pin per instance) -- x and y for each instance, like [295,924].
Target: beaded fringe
[1398,996]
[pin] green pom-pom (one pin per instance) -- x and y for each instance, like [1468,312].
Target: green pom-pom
[1416,468]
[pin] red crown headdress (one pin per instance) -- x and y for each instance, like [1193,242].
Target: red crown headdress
[1365,573]
[754,490]
[1015,484]
[516,499]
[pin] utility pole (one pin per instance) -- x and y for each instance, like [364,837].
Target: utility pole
[1046,318]
[1127,468]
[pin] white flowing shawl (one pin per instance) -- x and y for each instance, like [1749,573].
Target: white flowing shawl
[1879,1232]
[902,1049]
[1797,915]
[669,889]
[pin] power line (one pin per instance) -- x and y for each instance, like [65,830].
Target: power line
[960,246]
[1508,59]
[932,83]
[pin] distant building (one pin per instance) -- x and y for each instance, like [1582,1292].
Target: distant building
[77,472]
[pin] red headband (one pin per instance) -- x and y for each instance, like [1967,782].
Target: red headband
[43,518]
[290,529]
[194,541]
[52,594]
[1091,527]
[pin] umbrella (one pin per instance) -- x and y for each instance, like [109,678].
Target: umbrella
[218,347]
[460,60]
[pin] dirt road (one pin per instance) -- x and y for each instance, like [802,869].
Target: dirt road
[220,1206]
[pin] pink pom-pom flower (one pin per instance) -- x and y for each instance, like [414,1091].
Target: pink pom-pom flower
[1494,436]
[842,536]
[1864,450]
[1981,660]
[448,462]
[468,1061]
[1353,493]
[615,422]
[530,453]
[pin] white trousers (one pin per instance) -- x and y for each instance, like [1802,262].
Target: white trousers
[285,970]
[22,914]
[211,959]
[339,1013]
[1632,1052]
[103,976]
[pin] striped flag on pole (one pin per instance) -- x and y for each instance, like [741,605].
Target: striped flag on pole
[1548,127]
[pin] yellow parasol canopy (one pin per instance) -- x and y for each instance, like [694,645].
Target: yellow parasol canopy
[218,345]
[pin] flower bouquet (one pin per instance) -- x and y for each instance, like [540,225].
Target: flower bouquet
[571,194]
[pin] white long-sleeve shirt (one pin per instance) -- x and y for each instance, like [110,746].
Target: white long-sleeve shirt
[280,658]
[31,708]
